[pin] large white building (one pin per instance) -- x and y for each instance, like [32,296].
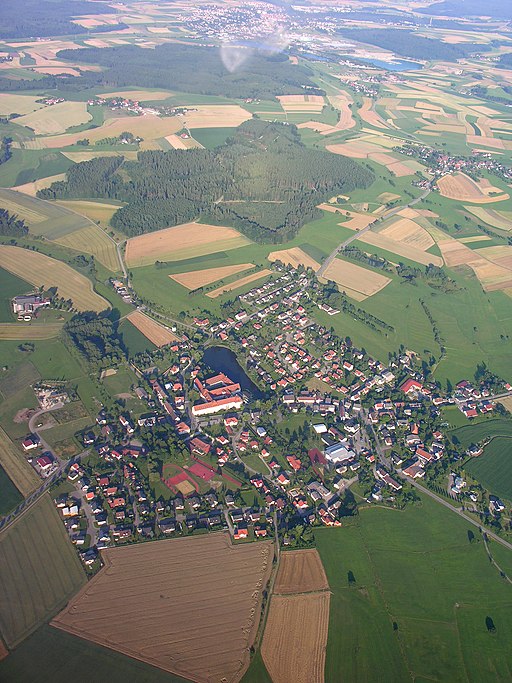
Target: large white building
[339,452]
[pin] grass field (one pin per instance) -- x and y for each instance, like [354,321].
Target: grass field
[493,469]
[483,430]
[28,331]
[212,137]
[39,571]
[42,270]
[61,656]
[415,569]
[17,378]
[19,471]
[10,497]
[10,286]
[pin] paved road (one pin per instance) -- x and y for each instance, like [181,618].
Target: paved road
[451,507]
[320,272]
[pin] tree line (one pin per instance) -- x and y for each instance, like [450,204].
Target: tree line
[263,181]
[11,225]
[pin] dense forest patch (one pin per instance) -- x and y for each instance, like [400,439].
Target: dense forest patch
[263,181]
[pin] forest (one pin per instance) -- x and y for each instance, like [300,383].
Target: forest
[40,18]
[499,9]
[11,225]
[262,181]
[411,45]
[96,338]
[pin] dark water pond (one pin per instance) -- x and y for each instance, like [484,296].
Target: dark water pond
[221,359]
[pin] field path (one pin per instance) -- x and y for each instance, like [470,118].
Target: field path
[321,271]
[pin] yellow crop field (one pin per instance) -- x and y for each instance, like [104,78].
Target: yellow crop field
[93,240]
[461,187]
[200,278]
[77,157]
[41,270]
[56,119]
[96,211]
[369,116]
[315,125]
[33,188]
[239,283]
[301,103]
[294,257]
[401,249]
[181,242]
[156,333]
[18,104]
[358,221]
[491,217]
[502,255]
[408,232]
[19,471]
[475,238]
[349,275]
[29,331]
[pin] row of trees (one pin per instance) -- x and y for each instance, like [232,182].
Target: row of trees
[11,225]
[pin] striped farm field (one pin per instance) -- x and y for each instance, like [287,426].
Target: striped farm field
[29,331]
[492,217]
[408,251]
[349,276]
[239,283]
[55,119]
[408,232]
[93,240]
[463,188]
[294,257]
[18,104]
[19,471]
[39,571]
[155,332]
[200,278]
[181,242]
[96,211]
[41,270]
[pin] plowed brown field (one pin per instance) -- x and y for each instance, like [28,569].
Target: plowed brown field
[300,571]
[190,606]
[296,637]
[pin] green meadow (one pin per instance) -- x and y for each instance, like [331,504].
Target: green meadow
[493,469]
[417,605]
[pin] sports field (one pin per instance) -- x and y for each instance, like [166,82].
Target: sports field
[493,469]
[188,605]
[39,571]
[181,242]
[410,596]
[41,270]
[152,330]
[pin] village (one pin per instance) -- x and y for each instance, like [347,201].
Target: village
[203,453]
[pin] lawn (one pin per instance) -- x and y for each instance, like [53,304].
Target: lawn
[39,571]
[493,469]
[419,601]
[64,657]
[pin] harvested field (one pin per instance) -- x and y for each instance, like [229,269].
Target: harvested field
[358,221]
[301,103]
[502,255]
[294,257]
[199,278]
[190,606]
[295,637]
[181,242]
[95,211]
[492,217]
[156,333]
[506,403]
[55,119]
[475,238]
[18,104]
[77,157]
[388,197]
[408,232]
[239,283]
[34,187]
[342,103]
[29,331]
[300,571]
[461,187]
[41,270]
[19,471]
[178,142]
[369,116]
[39,571]
[216,116]
[360,279]
[315,125]
[401,249]
[140,95]
[93,240]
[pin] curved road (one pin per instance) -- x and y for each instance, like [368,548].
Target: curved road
[357,234]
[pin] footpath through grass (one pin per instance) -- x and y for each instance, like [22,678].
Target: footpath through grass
[410,598]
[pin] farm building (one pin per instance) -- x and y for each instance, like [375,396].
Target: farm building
[29,304]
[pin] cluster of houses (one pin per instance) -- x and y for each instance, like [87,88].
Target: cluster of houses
[135,107]
[44,463]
